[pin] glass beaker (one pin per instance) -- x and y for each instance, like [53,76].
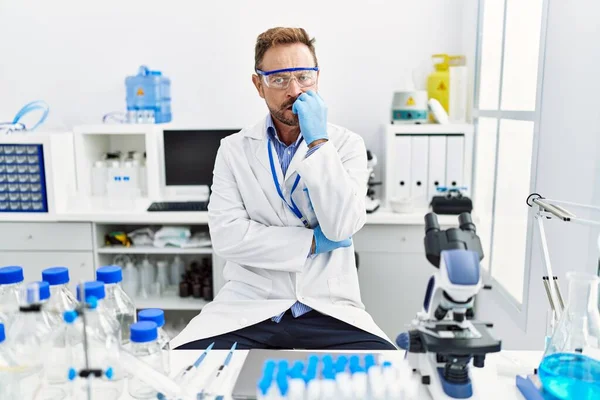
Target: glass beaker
[570,368]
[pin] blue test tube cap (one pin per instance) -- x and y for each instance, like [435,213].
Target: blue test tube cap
[354,360]
[11,274]
[369,361]
[264,384]
[109,274]
[283,384]
[341,363]
[109,373]
[2,333]
[329,373]
[297,370]
[155,315]
[91,289]
[56,275]
[387,364]
[269,368]
[327,361]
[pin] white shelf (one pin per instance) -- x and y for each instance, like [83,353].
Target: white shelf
[170,302]
[153,250]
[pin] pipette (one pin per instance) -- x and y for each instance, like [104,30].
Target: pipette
[188,373]
[213,382]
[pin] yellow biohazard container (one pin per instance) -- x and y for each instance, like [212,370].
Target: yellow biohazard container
[438,82]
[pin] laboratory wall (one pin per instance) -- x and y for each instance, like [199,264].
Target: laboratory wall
[567,166]
[76,54]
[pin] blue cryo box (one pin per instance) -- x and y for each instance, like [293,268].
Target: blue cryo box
[22,178]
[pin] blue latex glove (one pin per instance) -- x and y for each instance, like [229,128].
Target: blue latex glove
[312,114]
[324,245]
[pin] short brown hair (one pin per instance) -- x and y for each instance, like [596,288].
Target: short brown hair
[279,35]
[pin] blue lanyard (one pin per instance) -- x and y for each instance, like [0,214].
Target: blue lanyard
[292,207]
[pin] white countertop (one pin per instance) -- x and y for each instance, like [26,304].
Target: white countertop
[137,214]
[495,381]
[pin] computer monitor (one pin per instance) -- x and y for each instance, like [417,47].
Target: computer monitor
[189,159]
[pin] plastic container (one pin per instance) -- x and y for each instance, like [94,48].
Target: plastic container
[117,302]
[11,280]
[157,316]
[99,178]
[147,278]
[177,269]
[162,278]
[145,347]
[30,339]
[148,97]
[438,82]
[61,300]
[103,337]
[131,280]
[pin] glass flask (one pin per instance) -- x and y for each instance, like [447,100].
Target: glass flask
[570,368]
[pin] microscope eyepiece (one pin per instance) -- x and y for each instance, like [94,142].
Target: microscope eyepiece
[465,222]
[431,223]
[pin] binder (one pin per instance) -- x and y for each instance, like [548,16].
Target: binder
[401,184]
[455,161]
[437,165]
[419,167]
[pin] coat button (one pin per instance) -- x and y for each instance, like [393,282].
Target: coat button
[243,321]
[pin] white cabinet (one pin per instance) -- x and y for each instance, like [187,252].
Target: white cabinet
[36,246]
[80,264]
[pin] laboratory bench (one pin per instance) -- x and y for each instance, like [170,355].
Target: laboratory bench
[393,271]
[495,381]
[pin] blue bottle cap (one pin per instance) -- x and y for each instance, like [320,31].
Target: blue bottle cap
[91,289]
[155,315]
[56,275]
[10,275]
[144,331]
[2,334]
[109,274]
[44,290]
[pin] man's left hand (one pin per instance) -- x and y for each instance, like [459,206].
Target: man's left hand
[312,114]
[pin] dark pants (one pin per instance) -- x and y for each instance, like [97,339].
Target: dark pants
[311,331]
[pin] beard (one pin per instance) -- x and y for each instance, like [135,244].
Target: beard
[284,115]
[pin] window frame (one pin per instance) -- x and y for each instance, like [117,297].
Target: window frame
[518,311]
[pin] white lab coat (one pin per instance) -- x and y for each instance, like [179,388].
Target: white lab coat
[265,244]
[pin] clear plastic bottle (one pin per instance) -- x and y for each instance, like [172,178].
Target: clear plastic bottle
[162,277]
[11,280]
[30,338]
[144,346]
[103,334]
[117,301]
[61,300]
[157,316]
[131,279]
[177,269]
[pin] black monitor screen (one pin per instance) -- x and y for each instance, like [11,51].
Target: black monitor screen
[190,155]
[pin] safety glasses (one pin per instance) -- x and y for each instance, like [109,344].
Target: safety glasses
[281,78]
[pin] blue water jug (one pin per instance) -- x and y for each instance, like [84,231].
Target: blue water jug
[148,97]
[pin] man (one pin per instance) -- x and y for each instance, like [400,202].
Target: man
[288,195]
